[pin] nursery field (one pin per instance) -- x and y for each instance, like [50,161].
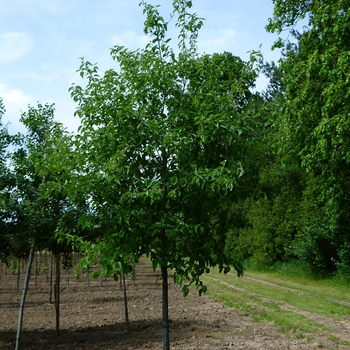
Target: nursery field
[259,311]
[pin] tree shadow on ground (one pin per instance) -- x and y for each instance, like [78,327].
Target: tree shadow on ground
[143,334]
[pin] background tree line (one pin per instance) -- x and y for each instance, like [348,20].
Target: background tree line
[304,176]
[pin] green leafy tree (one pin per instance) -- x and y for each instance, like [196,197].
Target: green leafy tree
[262,222]
[36,203]
[316,109]
[161,143]
[36,212]
[6,183]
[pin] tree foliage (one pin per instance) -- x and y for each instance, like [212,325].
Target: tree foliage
[162,147]
[162,140]
[316,109]
[6,182]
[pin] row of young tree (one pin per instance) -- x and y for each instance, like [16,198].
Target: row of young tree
[177,158]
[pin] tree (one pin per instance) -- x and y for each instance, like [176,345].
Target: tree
[36,203]
[161,147]
[5,185]
[316,108]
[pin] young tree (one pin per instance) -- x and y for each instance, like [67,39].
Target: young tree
[161,145]
[38,202]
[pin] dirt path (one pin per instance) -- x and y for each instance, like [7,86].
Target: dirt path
[340,329]
[296,291]
[94,319]
[273,285]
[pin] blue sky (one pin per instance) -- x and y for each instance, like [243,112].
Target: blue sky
[41,42]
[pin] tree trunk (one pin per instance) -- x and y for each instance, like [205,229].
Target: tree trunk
[57,294]
[36,269]
[165,308]
[88,279]
[127,325]
[18,274]
[133,274]
[50,280]
[164,269]
[23,299]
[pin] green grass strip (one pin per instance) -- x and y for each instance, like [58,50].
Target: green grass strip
[314,301]
[263,311]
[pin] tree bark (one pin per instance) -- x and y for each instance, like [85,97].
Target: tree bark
[165,308]
[57,293]
[36,269]
[23,299]
[50,280]
[18,274]
[127,324]
[164,265]
[133,274]
[88,279]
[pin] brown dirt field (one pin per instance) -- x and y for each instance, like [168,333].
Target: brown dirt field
[93,318]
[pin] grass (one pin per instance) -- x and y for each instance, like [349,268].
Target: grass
[308,298]
[338,341]
[262,311]
[295,302]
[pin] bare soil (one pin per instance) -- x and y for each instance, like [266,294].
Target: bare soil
[92,317]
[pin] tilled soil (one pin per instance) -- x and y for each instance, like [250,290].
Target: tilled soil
[92,317]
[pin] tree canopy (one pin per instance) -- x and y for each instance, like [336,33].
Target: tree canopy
[162,140]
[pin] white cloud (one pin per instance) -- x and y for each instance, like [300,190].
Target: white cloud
[13,45]
[15,102]
[14,96]
[130,39]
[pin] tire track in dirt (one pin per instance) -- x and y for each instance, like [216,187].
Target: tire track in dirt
[340,329]
[296,291]
[255,280]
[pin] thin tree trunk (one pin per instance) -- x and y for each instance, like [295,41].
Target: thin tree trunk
[46,267]
[164,269]
[133,274]
[88,279]
[36,269]
[165,308]
[57,294]
[23,299]
[50,279]
[18,274]
[127,325]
